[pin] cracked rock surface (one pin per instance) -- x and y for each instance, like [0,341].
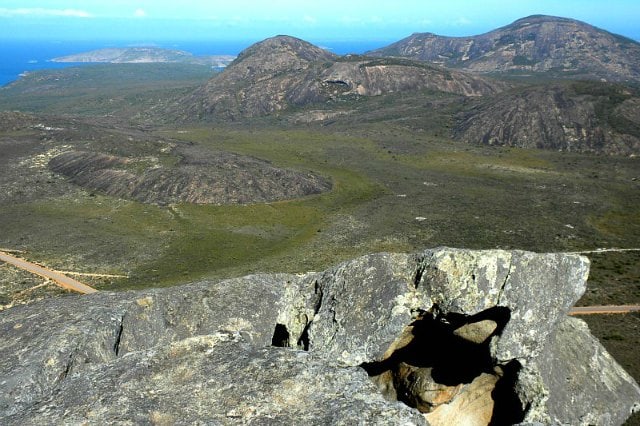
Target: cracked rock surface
[439,337]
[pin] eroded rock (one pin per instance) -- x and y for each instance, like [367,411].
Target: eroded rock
[472,406]
[574,117]
[573,367]
[459,335]
[477,332]
[199,177]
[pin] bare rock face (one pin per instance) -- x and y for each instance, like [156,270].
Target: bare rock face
[441,337]
[199,177]
[367,77]
[578,117]
[284,72]
[564,372]
[535,44]
[260,81]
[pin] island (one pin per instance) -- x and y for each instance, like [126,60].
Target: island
[132,55]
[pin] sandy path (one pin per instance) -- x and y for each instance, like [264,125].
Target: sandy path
[60,279]
[611,309]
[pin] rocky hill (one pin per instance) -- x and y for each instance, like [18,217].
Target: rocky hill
[440,337]
[138,55]
[284,72]
[535,44]
[579,117]
[200,177]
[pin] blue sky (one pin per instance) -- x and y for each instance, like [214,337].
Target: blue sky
[161,20]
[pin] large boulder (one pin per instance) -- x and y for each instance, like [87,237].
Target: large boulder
[441,337]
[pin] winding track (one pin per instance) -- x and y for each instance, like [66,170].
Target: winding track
[60,279]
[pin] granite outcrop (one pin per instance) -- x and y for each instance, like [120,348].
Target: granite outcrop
[438,337]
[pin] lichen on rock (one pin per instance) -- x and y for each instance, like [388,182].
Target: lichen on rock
[439,337]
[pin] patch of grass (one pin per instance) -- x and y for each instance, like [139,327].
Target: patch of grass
[617,223]
[613,336]
[475,162]
[220,241]
[212,238]
[93,233]
[394,188]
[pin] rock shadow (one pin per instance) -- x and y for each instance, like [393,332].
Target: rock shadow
[440,358]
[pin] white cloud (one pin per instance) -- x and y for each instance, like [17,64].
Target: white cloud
[309,19]
[139,13]
[461,21]
[40,12]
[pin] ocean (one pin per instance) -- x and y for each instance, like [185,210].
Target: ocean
[20,56]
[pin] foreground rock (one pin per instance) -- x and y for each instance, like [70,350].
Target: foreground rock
[442,337]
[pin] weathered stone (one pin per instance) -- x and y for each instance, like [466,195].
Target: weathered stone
[217,379]
[583,380]
[477,332]
[565,117]
[537,290]
[366,303]
[474,335]
[45,343]
[419,389]
[473,406]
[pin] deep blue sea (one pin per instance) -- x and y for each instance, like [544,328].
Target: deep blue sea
[17,57]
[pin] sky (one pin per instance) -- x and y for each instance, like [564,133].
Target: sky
[357,20]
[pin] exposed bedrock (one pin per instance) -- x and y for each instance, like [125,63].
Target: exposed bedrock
[199,177]
[441,337]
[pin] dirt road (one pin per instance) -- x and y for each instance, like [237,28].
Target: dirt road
[611,309]
[60,279]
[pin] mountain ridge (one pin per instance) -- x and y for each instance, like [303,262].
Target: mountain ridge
[563,47]
[284,72]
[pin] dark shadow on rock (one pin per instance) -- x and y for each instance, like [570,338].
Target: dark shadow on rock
[280,336]
[507,410]
[438,353]
[303,341]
